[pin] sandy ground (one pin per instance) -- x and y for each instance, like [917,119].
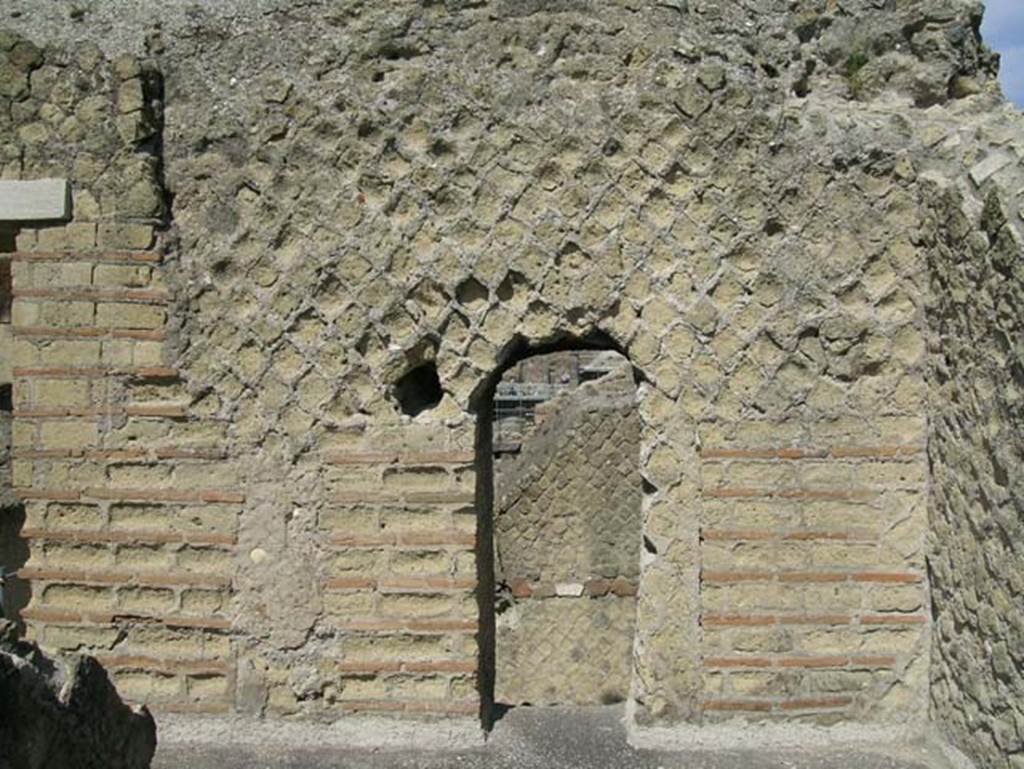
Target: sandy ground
[536,738]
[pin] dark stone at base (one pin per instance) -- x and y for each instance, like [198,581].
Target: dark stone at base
[64,713]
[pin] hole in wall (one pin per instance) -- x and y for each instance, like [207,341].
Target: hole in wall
[418,390]
[471,292]
[802,87]
[440,147]
[611,697]
[512,283]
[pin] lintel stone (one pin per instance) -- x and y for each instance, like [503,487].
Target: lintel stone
[35,200]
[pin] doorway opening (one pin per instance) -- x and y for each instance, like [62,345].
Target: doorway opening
[560,530]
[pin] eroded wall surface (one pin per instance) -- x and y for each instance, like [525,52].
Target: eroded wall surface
[123,524]
[976,451]
[567,548]
[224,497]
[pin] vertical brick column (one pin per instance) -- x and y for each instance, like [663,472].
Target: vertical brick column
[131,505]
[397,523]
[813,578]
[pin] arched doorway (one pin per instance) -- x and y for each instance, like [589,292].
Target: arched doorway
[560,538]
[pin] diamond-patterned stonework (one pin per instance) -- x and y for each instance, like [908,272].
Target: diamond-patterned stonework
[567,514]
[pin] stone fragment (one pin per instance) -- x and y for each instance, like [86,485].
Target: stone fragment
[692,100]
[114,235]
[962,87]
[984,170]
[130,96]
[25,56]
[569,589]
[13,81]
[126,67]
[64,713]
[712,77]
[276,90]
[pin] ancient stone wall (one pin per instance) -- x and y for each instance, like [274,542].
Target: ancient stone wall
[127,530]
[976,451]
[567,549]
[224,496]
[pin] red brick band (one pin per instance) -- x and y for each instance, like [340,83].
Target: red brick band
[870,662]
[139,662]
[89,332]
[765,706]
[98,372]
[120,537]
[129,257]
[833,452]
[760,620]
[426,626]
[402,584]
[730,577]
[94,294]
[120,455]
[452,539]
[408,497]
[169,412]
[730,492]
[400,458]
[132,495]
[408,666]
[768,535]
[123,578]
[65,617]
[593,588]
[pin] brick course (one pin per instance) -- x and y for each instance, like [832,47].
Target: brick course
[242,487]
[854,555]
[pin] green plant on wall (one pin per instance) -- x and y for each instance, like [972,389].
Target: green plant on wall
[855,62]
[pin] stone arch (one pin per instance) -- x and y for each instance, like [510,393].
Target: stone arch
[665,657]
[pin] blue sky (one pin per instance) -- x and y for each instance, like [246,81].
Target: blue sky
[1003,30]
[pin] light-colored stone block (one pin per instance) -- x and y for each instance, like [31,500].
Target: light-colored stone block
[35,200]
[981,172]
